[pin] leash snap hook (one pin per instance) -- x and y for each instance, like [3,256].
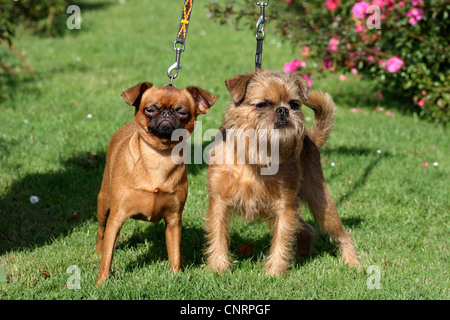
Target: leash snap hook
[262,19]
[260,28]
[260,33]
[176,65]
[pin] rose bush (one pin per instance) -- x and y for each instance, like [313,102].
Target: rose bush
[409,53]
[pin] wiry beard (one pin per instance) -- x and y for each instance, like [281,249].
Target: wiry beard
[256,132]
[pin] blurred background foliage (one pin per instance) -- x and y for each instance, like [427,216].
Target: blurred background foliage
[409,55]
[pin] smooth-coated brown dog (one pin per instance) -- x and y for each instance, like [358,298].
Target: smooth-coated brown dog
[140,180]
[272,100]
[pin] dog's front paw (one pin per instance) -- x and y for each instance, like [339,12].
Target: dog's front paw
[276,268]
[275,272]
[101,279]
[219,264]
[352,261]
[349,256]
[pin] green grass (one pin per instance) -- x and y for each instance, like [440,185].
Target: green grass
[396,209]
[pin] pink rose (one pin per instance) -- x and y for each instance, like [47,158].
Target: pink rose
[354,70]
[359,28]
[310,82]
[378,3]
[394,64]
[342,77]
[379,95]
[416,12]
[293,66]
[327,63]
[391,5]
[332,45]
[332,4]
[359,9]
[289,1]
[421,103]
[415,15]
[412,21]
[289,67]
[296,64]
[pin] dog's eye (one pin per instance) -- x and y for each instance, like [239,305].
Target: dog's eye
[182,112]
[149,111]
[264,104]
[295,105]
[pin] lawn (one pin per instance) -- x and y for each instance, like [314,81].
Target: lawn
[55,126]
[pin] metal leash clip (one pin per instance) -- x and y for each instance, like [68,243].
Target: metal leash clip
[179,44]
[260,33]
[176,65]
[262,19]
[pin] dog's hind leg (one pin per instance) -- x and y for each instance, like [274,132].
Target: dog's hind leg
[314,192]
[102,214]
[305,238]
[325,214]
[113,226]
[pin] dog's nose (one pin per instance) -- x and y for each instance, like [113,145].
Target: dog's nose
[282,111]
[165,113]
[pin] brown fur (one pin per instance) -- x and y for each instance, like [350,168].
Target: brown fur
[140,180]
[277,197]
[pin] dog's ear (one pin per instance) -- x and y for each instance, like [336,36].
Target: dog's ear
[237,87]
[303,85]
[133,95]
[202,98]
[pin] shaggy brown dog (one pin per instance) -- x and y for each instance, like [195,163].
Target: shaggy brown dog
[271,100]
[140,180]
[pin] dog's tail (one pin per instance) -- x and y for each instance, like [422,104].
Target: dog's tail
[324,109]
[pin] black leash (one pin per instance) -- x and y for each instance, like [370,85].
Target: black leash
[260,33]
[180,42]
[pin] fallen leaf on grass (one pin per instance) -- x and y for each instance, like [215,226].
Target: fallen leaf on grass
[45,274]
[245,249]
[74,216]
